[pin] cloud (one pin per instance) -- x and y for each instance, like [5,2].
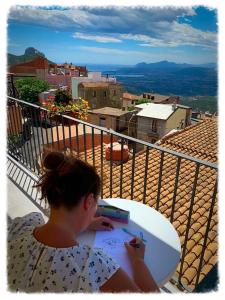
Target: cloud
[178,34]
[149,27]
[96,38]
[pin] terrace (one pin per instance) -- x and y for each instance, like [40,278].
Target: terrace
[178,178]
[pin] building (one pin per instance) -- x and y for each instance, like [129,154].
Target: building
[91,77]
[153,121]
[110,117]
[36,68]
[161,99]
[130,100]
[100,94]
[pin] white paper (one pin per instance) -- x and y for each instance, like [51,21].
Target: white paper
[112,242]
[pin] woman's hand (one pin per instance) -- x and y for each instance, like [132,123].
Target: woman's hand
[100,223]
[135,252]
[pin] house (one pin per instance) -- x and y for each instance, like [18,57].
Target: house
[110,117]
[91,77]
[100,94]
[36,68]
[161,99]
[130,100]
[153,121]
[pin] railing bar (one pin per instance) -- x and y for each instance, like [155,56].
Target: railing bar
[21,140]
[206,232]
[175,189]
[133,168]
[111,153]
[26,143]
[41,127]
[46,129]
[121,169]
[160,180]
[189,221]
[33,139]
[153,146]
[63,132]
[70,137]
[57,133]
[146,174]
[29,143]
[37,130]
[77,139]
[85,149]
[17,128]
[52,137]
[10,126]
[93,145]
[102,163]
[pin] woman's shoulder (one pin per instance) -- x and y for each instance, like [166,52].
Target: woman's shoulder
[21,224]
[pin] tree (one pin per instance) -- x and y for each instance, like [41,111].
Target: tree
[142,101]
[29,88]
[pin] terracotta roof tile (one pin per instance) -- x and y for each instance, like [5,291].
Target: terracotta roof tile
[187,141]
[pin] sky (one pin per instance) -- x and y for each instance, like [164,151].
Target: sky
[115,35]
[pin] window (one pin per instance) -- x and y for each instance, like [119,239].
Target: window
[104,94]
[94,93]
[114,93]
[132,102]
[154,125]
[102,121]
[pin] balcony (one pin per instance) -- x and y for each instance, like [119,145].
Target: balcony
[181,186]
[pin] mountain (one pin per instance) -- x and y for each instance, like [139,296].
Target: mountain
[29,54]
[169,78]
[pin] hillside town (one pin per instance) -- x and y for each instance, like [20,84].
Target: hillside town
[149,116]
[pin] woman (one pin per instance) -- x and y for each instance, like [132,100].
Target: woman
[47,257]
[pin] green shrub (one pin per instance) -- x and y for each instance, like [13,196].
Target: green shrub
[29,88]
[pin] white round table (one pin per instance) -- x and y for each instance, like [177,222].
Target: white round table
[163,246]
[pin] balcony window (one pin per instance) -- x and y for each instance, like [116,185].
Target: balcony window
[94,94]
[102,121]
[154,125]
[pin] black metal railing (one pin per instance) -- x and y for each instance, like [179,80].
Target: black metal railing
[143,176]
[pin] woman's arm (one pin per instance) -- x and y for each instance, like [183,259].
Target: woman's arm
[119,282]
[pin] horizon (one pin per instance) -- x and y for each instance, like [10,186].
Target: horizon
[127,65]
[95,35]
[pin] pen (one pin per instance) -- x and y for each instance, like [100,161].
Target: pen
[132,234]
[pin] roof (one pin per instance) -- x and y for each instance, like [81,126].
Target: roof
[128,96]
[111,111]
[94,84]
[156,111]
[190,141]
[199,140]
[38,63]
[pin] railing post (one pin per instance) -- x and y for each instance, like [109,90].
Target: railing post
[188,222]
[175,189]
[146,174]
[160,180]
[206,233]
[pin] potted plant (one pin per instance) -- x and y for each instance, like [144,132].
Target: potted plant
[77,109]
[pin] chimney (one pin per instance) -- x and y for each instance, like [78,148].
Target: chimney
[174,106]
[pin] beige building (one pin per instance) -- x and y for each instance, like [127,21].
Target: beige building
[153,121]
[130,100]
[110,117]
[161,99]
[101,94]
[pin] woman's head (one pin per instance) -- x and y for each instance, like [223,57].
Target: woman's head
[69,184]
